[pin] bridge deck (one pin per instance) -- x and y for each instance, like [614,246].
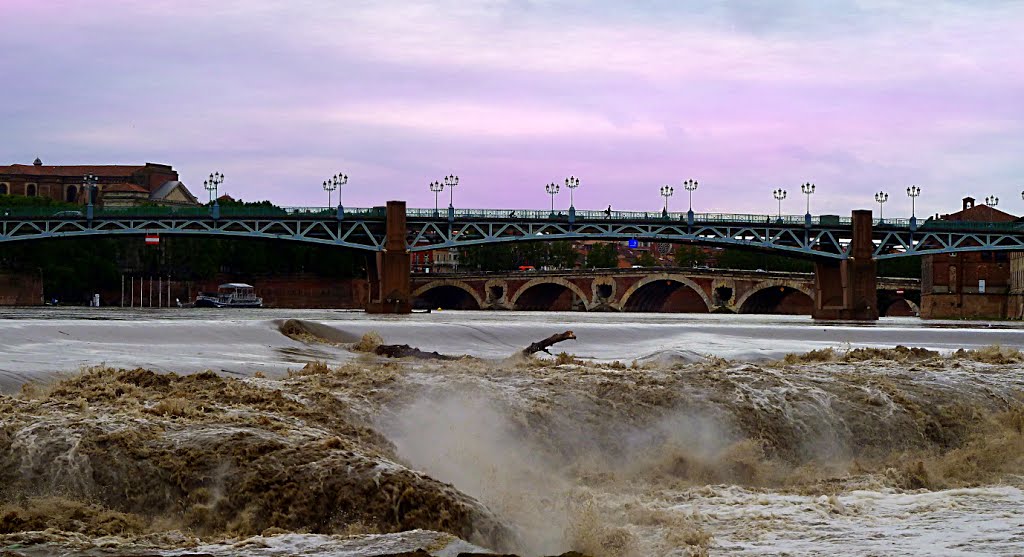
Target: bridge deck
[822,236]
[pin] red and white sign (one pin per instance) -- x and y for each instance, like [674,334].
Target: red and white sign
[152,239]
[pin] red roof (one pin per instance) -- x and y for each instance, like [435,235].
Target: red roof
[980,213]
[76,171]
[126,188]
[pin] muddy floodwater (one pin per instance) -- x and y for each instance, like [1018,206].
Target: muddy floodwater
[280,432]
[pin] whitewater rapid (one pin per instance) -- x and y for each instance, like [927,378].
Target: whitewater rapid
[666,435]
[36,343]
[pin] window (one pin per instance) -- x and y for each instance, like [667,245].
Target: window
[3,189]
[72,194]
[30,190]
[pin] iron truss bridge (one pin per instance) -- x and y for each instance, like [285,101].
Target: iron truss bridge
[825,236]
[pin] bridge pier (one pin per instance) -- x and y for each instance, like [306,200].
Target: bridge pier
[390,281]
[846,289]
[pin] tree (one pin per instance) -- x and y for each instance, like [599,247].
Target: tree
[645,259]
[495,257]
[603,256]
[562,254]
[690,256]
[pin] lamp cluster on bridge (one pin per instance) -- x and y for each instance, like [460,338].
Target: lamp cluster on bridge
[212,184]
[334,183]
[552,189]
[438,186]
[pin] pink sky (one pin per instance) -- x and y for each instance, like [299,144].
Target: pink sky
[743,96]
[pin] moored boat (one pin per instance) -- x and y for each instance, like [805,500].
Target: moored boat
[230,295]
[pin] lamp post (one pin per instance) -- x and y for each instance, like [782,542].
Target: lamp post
[808,189]
[450,182]
[666,192]
[690,186]
[913,192]
[552,189]
[572,183]
[881,197]
[779,195]
[991,201]
[90,181]
[211,185]
[437,188]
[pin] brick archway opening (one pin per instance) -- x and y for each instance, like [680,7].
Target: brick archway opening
[899,307]
[546,296]
[779,299]
[666,295]
[445,296]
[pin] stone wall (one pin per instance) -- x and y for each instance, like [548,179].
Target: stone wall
[965,306]
[21,289]
[289,291]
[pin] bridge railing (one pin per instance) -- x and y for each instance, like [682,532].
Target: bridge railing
[184,211]
[954,226]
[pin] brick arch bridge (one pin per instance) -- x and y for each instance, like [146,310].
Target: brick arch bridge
[665,290]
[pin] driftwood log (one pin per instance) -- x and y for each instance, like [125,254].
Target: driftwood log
[543,345]
[406,351]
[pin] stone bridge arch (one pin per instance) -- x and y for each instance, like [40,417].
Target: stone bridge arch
[770,284]
[448,283]
[539,281]
[673,277]
[887,304]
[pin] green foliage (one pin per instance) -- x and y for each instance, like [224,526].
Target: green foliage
[752,260]
[73,268]
[508,257]
[603,256]
[645,259]
[690,256]
[903,267]
[36,201]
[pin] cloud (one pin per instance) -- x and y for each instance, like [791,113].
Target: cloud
[744,96]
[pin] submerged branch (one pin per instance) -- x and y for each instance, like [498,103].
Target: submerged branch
[543,345]
[406,351]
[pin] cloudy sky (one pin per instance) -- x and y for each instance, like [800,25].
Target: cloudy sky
[743,96]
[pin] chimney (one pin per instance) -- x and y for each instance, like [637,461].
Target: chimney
[968,203]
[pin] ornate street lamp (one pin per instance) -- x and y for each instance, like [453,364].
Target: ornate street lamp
[437,188]
[333,183]
[90,181]
[572,183]
[690,186]
[666,192]
[991,201]
[779,195]
[913,192]
[808,189]
[450,182]
[552,189]
[881,197]
[211,184]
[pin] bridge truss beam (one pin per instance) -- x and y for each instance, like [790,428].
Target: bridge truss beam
[357,234]
[426,235]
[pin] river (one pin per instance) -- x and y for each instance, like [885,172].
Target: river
[655,434]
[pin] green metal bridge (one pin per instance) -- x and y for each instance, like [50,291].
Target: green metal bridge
[817,237]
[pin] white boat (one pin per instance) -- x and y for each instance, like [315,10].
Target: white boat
[230,295]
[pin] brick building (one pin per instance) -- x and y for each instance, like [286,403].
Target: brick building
[117,185]
[970,285]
